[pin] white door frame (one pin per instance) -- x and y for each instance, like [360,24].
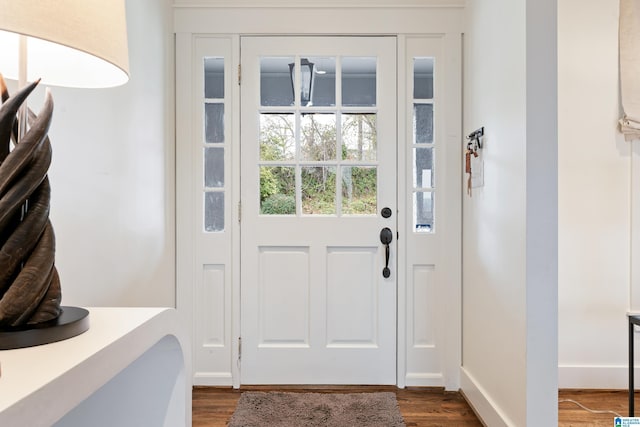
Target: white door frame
[192,22]
[328,334]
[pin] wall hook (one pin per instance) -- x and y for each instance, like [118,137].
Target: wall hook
[475,137]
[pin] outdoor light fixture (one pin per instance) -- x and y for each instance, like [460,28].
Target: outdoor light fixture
[73,43]
[306,80]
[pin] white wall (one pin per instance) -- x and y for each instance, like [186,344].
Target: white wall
[494,328]
[594,199]
[509,225]
[112,175]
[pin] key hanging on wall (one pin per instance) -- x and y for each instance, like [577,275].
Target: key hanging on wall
[474,143]
[470,151]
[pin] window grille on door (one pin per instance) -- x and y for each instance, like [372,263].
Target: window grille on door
[318,135]
[214,144]
[424,179]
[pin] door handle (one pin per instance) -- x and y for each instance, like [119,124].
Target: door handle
[386,236]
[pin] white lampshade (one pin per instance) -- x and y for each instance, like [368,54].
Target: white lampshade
[72,43]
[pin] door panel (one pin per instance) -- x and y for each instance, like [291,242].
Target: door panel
[283,276]
[318,166]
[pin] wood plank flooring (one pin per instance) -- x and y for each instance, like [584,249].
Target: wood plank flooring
[571,415]
[213,406]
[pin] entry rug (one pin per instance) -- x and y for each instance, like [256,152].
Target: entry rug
[278,409]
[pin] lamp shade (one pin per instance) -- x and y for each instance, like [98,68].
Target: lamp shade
[72,43]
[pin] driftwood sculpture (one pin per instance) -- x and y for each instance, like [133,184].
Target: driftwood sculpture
[30,291]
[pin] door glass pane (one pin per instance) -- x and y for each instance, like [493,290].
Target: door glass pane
[214,78]
[323,85]
[423,123]
[303,79]
[277,190]
[423,176]
[359,190]
[313,142]
[423,208]
[214,123]
[214,133]
[359,137]
[213,211]
[359,81]
[214,167]
[423,145]
[318,137]
[318,190]
[277,137]
[423,78]
[275,81]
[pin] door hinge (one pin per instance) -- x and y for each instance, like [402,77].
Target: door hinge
[239,348]
[239,212]
[239,74]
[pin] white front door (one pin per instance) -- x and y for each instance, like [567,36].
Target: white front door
[318,186]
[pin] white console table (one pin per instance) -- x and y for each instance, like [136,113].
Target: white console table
[128,369]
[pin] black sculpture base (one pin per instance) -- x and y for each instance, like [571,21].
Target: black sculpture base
[72,322]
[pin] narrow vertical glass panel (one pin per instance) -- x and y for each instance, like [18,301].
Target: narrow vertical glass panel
[318,139]
[423,78]
[323,81]
[359,137]
[214,211]
[359,190]
[276,88]
[214,78]
[214,123]
[277,190]
[277,137]
[423,210]
[423,123]
[423,172]
[214,167]
[359,81]
[318,190]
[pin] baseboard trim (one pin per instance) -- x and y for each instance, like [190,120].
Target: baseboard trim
[485,408]
[212,379]
[594,376]
[424,380]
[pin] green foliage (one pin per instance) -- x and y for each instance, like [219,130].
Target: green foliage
[318,190]
[318,183]
[364,180]
[361,206]
[279,204]
[359,191]
[268,183]
[276,180]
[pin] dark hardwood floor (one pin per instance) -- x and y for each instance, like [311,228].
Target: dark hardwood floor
[213,406]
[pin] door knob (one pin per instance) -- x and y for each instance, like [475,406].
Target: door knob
[386,236]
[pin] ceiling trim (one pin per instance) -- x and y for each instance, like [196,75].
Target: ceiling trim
[319,3]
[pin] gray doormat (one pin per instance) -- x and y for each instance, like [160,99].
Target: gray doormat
[277,409]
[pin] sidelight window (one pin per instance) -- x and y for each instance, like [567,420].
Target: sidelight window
[424,178]
[214,145]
